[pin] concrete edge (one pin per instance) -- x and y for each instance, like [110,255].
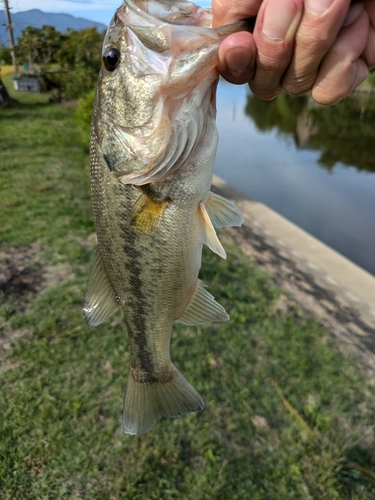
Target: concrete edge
[348,279]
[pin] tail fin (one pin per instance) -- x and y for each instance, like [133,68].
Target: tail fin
[146,403]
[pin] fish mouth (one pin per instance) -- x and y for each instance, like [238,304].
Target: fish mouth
[179,13]
[182,21]
[182,13]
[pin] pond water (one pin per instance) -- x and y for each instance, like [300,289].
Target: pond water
[315,165]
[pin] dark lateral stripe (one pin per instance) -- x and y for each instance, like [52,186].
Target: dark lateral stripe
[138,305]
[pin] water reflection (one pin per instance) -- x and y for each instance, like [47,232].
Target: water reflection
[274,153]
[330,130]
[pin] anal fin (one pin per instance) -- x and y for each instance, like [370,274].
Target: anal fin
[100,299]
[223,212]
[203,308]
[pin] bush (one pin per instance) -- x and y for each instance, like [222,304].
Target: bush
[78,82]
[84,112]
[371,78]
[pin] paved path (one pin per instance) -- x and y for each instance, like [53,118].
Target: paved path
[340,294]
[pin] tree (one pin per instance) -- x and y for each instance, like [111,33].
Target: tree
[80,57]
[81,49]
[281,114]
[52,40]
[5,55]
[78,53]
[38,46]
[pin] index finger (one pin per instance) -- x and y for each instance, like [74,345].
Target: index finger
[318,29]
[227,12]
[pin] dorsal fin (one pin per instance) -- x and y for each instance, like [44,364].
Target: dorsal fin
[223,212]
[100,299]
[203,308]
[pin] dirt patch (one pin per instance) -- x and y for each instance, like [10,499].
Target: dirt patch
[21,275]
[89,243]
[20,281]
[349,322]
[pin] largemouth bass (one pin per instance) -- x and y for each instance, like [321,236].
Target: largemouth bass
[153,144]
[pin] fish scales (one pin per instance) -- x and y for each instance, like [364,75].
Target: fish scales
[153,145]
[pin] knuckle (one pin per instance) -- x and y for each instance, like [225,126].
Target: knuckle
[296,90]
[314,38]
[298,86]
[266,83]
[274,59]
[264,93]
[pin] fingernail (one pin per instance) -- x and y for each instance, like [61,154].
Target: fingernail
[277,20]
[353,13]
[319,5]
[239,59]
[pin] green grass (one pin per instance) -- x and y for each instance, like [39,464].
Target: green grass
[286,417]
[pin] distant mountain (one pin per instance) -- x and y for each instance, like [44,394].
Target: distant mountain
[38,19]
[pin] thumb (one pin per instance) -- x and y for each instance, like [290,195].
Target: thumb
[237,56]
[237,53]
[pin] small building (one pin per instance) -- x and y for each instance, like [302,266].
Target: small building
[26,83]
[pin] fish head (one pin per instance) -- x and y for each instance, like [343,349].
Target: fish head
[156,91]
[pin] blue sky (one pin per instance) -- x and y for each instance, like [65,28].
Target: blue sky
[95,10]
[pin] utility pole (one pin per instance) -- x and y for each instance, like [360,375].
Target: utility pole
[11,37]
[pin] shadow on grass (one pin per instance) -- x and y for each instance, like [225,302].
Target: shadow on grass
[22,110]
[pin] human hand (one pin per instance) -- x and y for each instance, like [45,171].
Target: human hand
[326,46]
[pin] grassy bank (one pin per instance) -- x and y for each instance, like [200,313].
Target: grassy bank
[6,69]
[286,417]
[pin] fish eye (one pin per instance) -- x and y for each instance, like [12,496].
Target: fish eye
[111,58]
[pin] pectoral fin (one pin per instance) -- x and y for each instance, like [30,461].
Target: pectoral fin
[223,212]
[203,309]
[208,232]
[100,299]
[146,213]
